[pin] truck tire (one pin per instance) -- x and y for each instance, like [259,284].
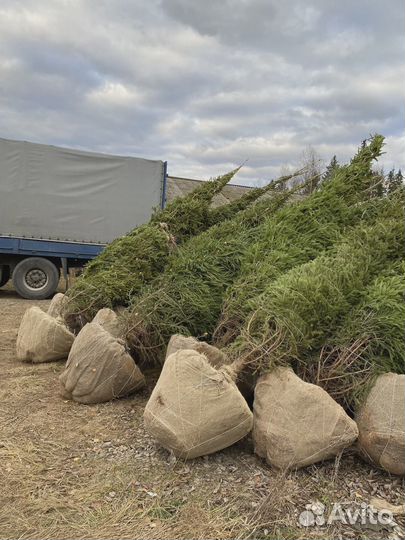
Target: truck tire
[35,278]
[4,274]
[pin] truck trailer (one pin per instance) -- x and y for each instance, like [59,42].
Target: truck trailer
[59,207]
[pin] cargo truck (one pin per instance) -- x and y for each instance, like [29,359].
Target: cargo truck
[59,208]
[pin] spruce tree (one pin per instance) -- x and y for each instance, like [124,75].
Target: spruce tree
[394,181]
[330,169]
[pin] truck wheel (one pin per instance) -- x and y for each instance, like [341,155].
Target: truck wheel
[35,278]
[4,274]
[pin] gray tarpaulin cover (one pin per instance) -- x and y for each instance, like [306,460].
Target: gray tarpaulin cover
[62,194]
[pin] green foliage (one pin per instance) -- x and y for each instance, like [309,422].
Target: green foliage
[227,211]
[330,169]
[187,297]
[394,181]
[188,216]
[299,233]
[299,311]
[317,284]
[378,321]
[378,188]
[118,273]
[369,341]
[129,262]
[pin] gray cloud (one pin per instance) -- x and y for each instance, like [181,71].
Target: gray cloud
[205,85]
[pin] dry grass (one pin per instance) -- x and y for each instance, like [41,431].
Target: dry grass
[70,471]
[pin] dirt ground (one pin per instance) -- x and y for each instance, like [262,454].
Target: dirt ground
[71,471]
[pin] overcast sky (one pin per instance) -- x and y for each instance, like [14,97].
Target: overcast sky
[205,84]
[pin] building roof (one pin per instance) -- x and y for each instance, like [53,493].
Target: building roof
[179,187]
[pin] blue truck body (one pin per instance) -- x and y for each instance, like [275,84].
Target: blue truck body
[29,247]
